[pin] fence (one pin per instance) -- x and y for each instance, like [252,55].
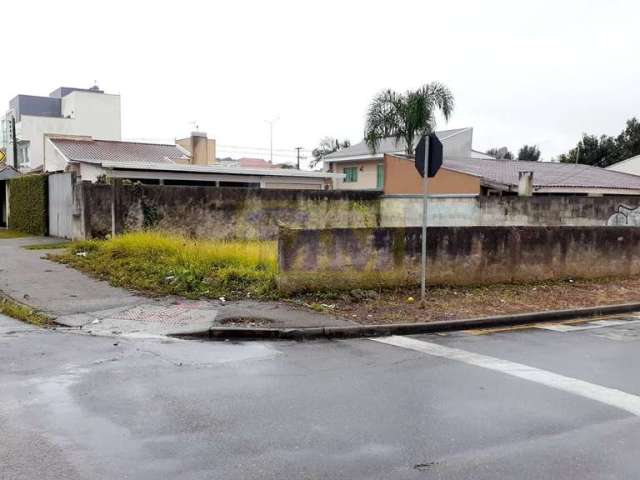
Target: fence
[382,257]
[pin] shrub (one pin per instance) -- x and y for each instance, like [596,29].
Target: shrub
[28,204]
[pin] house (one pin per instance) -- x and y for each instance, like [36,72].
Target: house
[65,111]
[6,173]
[475,176]
[166,164]
[630,165]
[364,169]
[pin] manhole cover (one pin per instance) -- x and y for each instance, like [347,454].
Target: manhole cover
[172,314]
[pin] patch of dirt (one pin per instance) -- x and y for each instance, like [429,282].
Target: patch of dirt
[450,303]
[246,322]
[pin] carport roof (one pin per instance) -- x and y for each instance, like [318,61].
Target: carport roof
[7,172]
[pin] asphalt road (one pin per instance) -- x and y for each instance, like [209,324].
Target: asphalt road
[525,404]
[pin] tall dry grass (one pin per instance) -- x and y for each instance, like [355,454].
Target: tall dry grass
[169,263]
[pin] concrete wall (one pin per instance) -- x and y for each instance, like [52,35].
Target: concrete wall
[401,177]
[209,212]
[447,210]
[376,257]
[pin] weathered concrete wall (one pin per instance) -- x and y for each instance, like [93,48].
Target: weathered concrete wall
[375,257]
[241,213]
[225,213]
[406,211]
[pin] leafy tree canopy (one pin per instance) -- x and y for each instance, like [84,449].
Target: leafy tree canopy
[501,153]
[326,146]
[605,150]
[529,153]
[406,116]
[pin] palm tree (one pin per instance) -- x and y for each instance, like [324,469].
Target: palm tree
[404,116]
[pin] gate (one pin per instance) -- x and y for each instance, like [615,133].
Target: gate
[61,205]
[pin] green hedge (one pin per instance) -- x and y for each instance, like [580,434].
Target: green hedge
[28,204]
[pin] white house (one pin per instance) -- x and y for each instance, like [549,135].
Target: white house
[66,111]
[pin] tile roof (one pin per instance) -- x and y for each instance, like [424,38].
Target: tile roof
[545,174]
[387,145]
[116,151]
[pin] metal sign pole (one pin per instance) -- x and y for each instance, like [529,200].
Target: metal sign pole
[425,182]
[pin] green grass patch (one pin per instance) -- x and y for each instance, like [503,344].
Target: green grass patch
[162,263]
[4,234]
[18,311]
[48,246]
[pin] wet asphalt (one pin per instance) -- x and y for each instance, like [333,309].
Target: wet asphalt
[76,406]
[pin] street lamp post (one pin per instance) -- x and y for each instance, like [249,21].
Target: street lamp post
[271,122]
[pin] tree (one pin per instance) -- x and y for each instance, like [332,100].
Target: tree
[405,116]
[605,150]
[501,153]
[529,153]
[327,145]
[628,141]
[591,150]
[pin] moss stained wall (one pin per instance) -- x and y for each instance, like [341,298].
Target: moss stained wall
[28,204]
[226,213]
[388,257]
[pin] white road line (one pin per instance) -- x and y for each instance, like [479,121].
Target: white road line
[609,396]
[564,327]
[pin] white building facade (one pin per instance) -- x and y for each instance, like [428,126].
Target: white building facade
[66,111]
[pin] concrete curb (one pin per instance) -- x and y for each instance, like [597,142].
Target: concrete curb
[310,333]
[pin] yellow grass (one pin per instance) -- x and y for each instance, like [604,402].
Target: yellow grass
[168,263]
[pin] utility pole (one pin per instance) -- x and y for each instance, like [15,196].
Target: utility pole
[298,155]
[14,141]
[271,122]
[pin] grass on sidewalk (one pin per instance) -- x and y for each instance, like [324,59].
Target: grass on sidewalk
[21,312]
[162,263]
[6,234]
[48,246]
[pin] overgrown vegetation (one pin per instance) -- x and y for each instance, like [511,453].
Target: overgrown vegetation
[18,311]
[161,263]
[11,234]
[28,204]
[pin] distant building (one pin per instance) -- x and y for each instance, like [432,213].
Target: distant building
[204,147]
[474,176]
[364,169]
[165,164]
[65,111]
[630,165]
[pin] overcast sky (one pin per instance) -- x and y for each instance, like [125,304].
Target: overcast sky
[537,72]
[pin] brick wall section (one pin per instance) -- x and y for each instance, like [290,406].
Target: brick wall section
[225,213]
[376,257]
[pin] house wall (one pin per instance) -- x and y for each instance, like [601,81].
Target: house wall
[401,177]
[367,175]
[378,257]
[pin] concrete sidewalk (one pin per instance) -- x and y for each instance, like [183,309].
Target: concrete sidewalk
[73,299]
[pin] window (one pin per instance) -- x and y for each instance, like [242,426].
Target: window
[23,154]
[350,174]
[380,176]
